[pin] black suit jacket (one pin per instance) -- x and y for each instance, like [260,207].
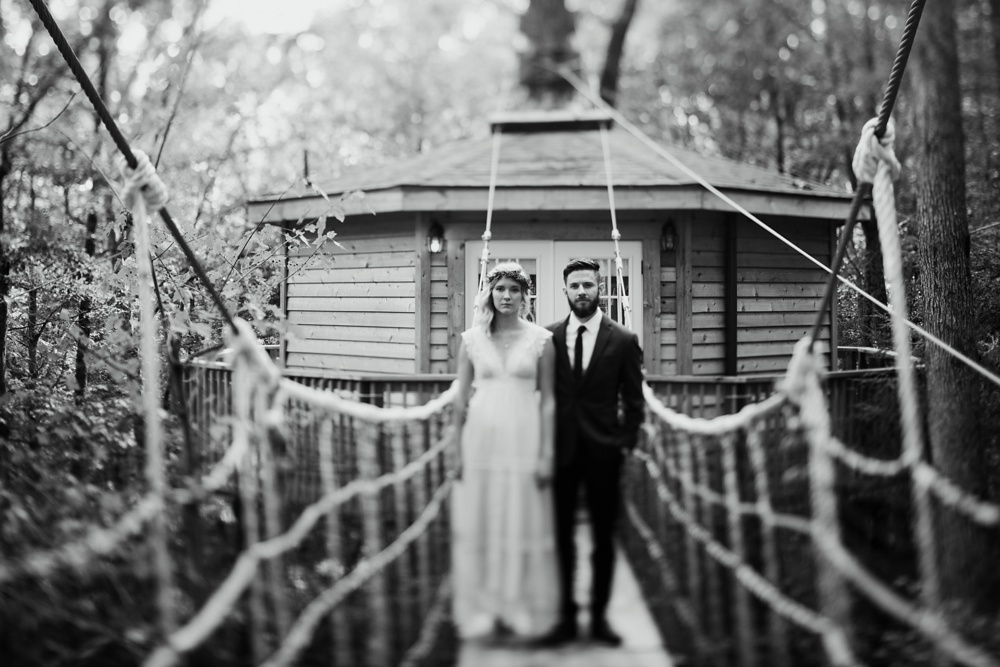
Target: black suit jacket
[588,415]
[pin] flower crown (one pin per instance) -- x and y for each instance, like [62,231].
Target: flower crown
[512,271]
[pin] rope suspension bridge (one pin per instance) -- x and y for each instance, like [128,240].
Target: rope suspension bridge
[736,498]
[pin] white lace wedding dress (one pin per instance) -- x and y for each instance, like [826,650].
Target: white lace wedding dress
[503,539]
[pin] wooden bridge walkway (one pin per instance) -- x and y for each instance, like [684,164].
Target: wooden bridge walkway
[627,613]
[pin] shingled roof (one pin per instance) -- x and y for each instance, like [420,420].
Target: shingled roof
[537,158]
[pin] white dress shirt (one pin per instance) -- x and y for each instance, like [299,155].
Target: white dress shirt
[593,325]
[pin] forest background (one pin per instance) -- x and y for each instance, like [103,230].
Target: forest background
[235,100]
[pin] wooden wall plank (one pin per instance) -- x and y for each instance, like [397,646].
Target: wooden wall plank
[396,274]
[357,319]
[351,348]
[364,364]
[350,260]
[298,289]
[359,304]
[357,333]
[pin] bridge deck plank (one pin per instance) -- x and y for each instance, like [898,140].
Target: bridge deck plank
[628,614]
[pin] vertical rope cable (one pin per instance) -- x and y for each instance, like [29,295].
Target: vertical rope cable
[488,234]
[155,473]
[624,308]
[913,451]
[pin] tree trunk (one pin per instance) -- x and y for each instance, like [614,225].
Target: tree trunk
[83,310]
[616,46]
[549,26]
[779,131]
[995,25]
[5,169]
[968,554]
[874,322]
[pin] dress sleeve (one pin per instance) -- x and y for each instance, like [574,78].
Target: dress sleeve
[471,348]
[540,340]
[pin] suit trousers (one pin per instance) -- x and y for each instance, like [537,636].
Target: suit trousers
[599,475]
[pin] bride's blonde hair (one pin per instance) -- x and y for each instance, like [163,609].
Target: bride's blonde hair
[484,300]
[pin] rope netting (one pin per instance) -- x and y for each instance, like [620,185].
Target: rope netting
[372,520]
[716,479]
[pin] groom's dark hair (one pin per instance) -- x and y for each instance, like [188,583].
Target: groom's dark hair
[582,264]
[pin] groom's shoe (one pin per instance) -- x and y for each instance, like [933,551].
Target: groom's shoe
[603,633]
[563,633]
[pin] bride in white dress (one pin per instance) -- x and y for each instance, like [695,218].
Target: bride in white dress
[503,540]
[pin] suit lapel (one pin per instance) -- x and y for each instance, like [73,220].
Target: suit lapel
[559,336]
[603,334]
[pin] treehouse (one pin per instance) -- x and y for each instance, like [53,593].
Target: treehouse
[712,293]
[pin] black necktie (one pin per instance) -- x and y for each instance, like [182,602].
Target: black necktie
[578,355]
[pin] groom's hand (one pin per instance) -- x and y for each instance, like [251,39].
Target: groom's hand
[543,471]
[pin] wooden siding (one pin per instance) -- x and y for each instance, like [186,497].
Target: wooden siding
[778,292]
[353,307]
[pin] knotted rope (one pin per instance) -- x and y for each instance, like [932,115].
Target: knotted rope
[624,308]
[488,233]
[143,192]
[876,163]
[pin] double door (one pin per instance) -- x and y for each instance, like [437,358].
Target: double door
[544,262]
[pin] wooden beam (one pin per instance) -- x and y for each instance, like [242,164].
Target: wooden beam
[731,270]
[456,298]
[834,332]
[422,293]
[685,331]
[557,198]
[283,302]
[651,302]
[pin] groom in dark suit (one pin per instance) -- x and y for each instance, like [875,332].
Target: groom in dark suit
[599,408]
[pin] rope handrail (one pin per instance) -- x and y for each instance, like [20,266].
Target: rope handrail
[213,612]
[208,619]
[304,627]
[328,401]
[718,425]
[834,642]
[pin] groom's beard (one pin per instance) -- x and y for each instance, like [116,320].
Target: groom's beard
[583,308]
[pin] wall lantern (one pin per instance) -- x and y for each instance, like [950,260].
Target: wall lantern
[668,236]
[435,238]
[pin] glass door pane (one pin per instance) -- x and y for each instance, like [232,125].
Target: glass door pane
[603,252]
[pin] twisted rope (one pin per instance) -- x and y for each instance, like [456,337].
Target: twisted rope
[305,625]
[214,611]
[624,307]
[834,640]
[875,162]
[717,426]
[143,191]
[488,233]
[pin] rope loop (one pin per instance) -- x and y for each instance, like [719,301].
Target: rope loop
[616,235]
[487,235]
[246,346]
[143,181]
[872,151]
